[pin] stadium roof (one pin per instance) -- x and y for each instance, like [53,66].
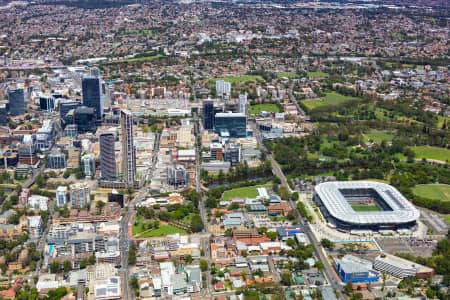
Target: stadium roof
[338,207]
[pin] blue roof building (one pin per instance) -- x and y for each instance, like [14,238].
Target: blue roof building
[356,270]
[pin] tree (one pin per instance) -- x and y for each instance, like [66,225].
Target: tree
[134,283]
[55,267]
[319,265]
[203,265]
[326,243]
[291,243]
[348,288]
[188,259]
[272,235]
[286,278]
[196,223]
[67,266]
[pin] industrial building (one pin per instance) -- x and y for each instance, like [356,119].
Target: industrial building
[400,267]
[355,269]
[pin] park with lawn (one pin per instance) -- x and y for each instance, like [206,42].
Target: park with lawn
[240,79]
[245,192]
[317,74]
[433,191]
[430,152]
[268,107]
[288,75]
[143,228]
[330,98]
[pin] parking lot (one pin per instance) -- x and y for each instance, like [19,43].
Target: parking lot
[414,246]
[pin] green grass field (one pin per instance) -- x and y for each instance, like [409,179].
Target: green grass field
[138,227]
[246,192]
[433,191]
[441,120]
[361,208]
[331,98]
[311,103]
[430,152]
[378,136]
[163,230]
[447,218]
[255,109]
[240,79]
[144,58]
[318,74]
[288,75]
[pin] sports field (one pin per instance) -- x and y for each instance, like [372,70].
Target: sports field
[318,74]
[361,208]
[433,191]
[240,79]
[288,75]
[163,230]
[246,192]
[255,109]
[430,152]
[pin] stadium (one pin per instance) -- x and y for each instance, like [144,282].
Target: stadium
[365,205]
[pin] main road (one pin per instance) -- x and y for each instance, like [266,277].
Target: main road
[328,270]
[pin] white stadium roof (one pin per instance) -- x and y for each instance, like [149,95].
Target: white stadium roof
[338,207]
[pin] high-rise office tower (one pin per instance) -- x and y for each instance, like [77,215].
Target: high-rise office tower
[128,150]
[243,104]
[208,114]
[107,155]
[92,92]
[16,104]
[223,87]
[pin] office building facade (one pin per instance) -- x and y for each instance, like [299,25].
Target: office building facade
[16,101]
[56,160]
[243,104]
[84,118]
[92,92]
[128,149]
[61,196]
[176,176]
[208,114]
[80,194]
[88,163]
[3,114]
[232,124]
[47,103]
[66,106]
[107,155]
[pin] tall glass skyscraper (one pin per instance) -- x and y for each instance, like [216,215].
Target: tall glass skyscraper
[128,150]
[92,92]
[107,155]
[232,124]
[208,114]
[16,98]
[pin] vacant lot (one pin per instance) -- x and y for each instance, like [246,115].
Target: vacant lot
[430,152]
[240,79]
[360,208]
[255,109]
[163,230]
[433,191]
[246,192]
